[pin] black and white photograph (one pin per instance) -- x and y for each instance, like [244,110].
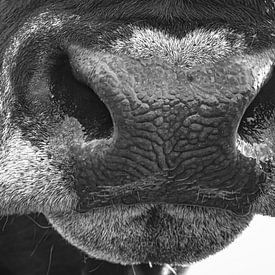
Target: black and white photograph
[137,137]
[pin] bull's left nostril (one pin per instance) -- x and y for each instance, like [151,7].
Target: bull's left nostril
[78,100]
[260,113]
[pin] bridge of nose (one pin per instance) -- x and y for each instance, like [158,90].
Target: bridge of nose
[133,88]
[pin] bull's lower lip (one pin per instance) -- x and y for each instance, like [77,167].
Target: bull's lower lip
[150,232]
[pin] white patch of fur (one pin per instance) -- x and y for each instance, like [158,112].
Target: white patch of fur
[200,46]
[43,23]
[28,182]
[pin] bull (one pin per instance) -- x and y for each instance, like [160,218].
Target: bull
[142,130]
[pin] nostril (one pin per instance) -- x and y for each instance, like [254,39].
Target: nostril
[260,113]
[76,99]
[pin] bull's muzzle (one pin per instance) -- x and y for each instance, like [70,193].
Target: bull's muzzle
[175,130]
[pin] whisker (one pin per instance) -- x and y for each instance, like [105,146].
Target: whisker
[50,260]
[36,223]
[133,268]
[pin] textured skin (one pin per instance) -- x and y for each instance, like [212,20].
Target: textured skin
[184,117]
[157,173]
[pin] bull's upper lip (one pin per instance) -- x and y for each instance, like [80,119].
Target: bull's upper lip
[158,233]
[169,190]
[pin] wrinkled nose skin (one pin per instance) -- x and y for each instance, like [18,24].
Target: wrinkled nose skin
[174,137]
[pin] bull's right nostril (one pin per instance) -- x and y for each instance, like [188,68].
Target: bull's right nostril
[112,82]
[76,99]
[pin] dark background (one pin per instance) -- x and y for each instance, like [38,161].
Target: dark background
[29,246]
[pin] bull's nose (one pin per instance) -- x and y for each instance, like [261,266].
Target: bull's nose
[174,128]
[164,114]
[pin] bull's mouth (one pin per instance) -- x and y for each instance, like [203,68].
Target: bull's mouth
[77,98]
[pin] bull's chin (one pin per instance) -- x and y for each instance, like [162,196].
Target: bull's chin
[157,233]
